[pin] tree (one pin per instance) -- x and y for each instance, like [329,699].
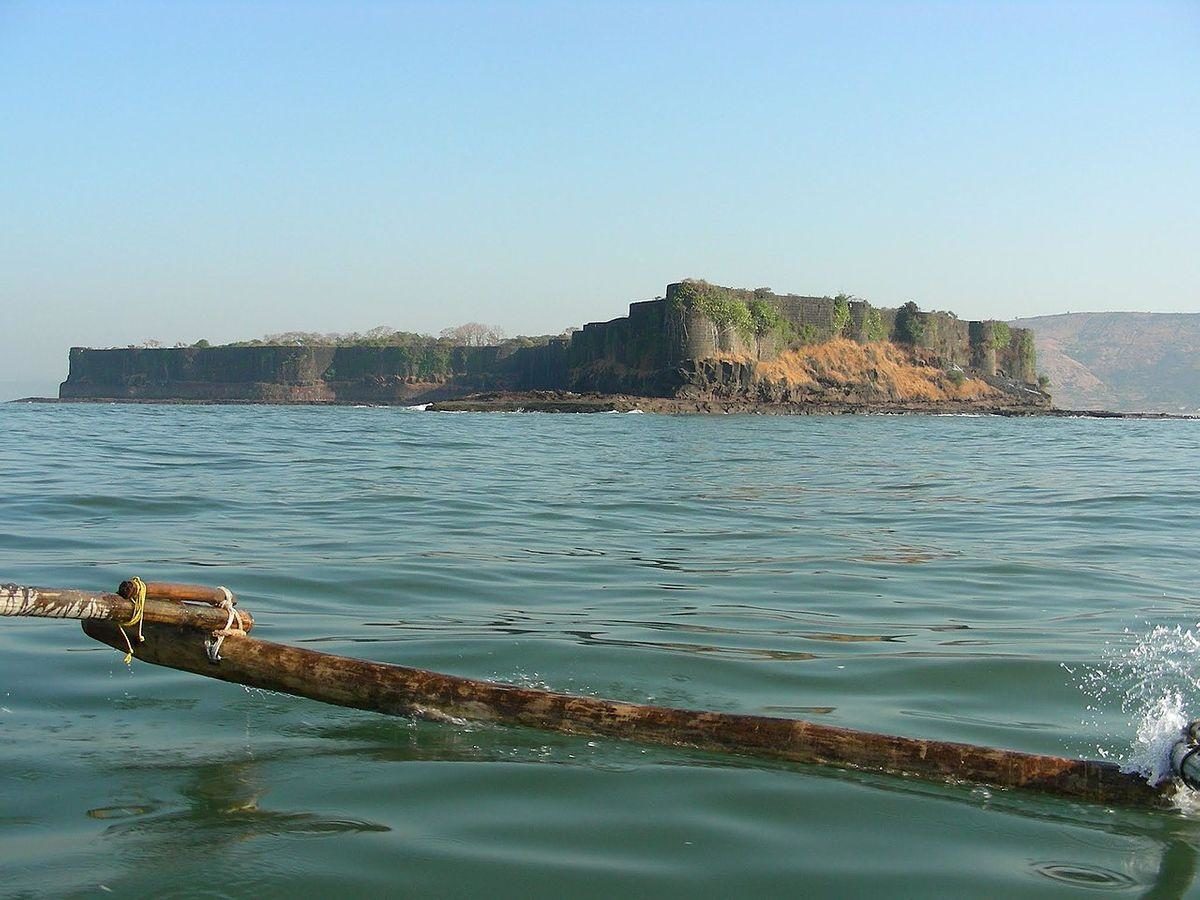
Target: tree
[474,334]
[910,324]
[764,318]
[380,335]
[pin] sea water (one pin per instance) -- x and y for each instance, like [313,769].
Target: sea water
[1020,583]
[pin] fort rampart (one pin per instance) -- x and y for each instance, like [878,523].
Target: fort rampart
[649,352]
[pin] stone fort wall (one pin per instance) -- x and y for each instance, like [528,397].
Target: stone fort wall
[662,333]
[641,353]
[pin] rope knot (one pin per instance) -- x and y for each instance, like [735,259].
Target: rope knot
[213,645]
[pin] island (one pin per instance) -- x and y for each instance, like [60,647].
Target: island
[699,348]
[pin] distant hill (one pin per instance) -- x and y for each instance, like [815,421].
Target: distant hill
[1122,361]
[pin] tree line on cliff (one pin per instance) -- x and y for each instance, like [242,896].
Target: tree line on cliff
[469,334]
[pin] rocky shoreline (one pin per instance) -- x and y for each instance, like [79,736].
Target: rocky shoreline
[570,402]
[567,402]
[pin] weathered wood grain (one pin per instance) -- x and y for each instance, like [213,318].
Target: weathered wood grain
[399,690]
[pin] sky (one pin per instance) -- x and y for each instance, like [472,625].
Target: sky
[183,170]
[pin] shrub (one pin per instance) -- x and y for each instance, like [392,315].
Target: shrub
[807,334]
[956,377]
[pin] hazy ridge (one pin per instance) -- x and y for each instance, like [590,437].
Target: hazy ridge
[1123,361]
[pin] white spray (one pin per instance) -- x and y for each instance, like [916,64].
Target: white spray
[1158,683]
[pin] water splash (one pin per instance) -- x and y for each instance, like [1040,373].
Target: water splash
[1157,684]
[1157,732]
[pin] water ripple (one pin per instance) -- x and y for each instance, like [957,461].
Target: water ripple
[921,576]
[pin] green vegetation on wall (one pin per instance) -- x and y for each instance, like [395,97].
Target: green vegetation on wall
[841,314]
[427,362]
[807,334]
[873,325]
[719,306]
[1001,335]
[1026,355]
[910,325]
[757,318]
[767,320]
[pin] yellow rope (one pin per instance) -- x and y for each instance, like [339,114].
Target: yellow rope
[139,601]
[139,608]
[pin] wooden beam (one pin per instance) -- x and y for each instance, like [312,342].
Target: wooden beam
[403,691]
[168,590]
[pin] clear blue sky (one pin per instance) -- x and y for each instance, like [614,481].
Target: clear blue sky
[177,170]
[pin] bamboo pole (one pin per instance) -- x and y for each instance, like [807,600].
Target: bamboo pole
[399,690]
[52,603]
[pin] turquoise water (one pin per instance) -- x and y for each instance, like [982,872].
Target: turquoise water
[950,578]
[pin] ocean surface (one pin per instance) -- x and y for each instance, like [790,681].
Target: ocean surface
[1030,584]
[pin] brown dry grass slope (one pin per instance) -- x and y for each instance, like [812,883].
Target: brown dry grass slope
[880,368]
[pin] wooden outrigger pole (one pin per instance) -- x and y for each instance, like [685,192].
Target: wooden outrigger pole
[178,640]
[165,603]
